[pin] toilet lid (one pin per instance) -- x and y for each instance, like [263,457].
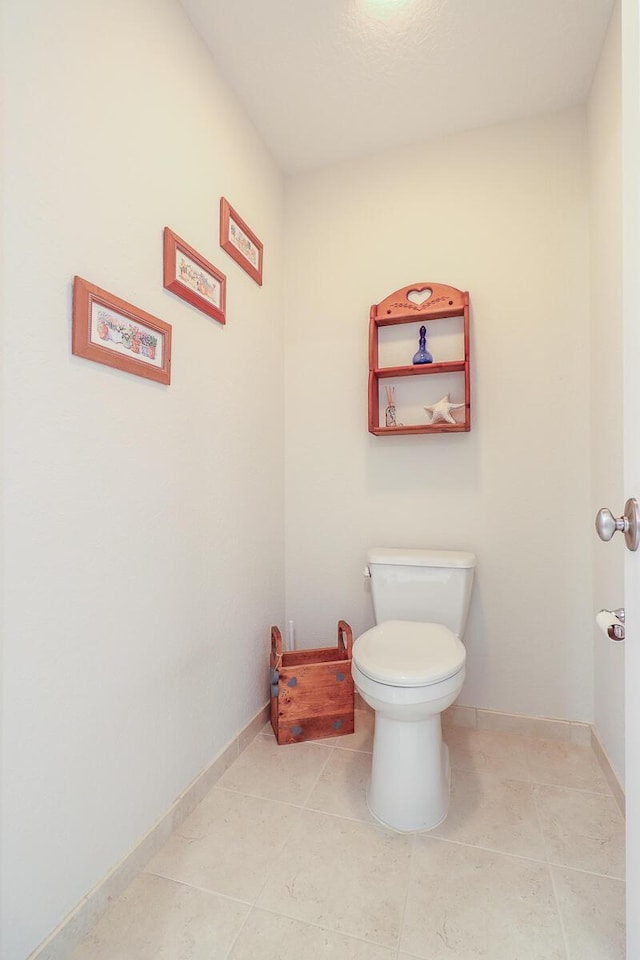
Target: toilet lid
[404,653]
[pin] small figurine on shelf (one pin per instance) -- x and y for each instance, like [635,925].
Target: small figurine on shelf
[423,355]
[441,411]
[390,412]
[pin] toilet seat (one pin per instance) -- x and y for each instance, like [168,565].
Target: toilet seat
[405,653]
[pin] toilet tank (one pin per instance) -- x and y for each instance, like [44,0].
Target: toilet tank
[433,586]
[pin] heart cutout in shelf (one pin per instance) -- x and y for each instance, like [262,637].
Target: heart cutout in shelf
[419,296]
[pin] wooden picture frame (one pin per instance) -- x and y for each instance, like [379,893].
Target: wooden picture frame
[109,330]
[190,276]
[240,242]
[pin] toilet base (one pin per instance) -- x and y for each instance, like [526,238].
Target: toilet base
[410,777]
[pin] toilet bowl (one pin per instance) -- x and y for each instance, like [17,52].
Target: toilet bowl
[409,671]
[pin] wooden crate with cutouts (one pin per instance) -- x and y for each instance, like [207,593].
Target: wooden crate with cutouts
[312,694]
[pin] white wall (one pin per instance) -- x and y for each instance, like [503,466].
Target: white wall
[501,212]
[605,169]
[143,523]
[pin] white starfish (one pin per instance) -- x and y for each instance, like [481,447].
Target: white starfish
[441,411]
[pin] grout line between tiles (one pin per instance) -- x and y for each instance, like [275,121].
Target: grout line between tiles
[237,936]
[406,896]
[259,796]
[551,878]
[325,813]
[559,910]
[563,786]
[322,926]
[518,856]
[195,886]
[366,823]
[316,781]
[589,873]
[477,846]
[339,746]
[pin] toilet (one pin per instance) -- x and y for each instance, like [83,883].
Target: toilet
[409,668]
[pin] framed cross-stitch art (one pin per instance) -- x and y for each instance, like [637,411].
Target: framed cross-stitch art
[109,330]
[190,276]
[239,241]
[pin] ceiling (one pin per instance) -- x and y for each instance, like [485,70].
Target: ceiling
[326,80]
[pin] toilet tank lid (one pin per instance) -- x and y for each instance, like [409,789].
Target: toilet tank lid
[421,558]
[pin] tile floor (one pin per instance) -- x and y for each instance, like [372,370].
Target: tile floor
[282,861]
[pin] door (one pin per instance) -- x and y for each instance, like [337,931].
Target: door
[631,392]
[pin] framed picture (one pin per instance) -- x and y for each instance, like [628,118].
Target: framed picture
[111,331]
[190,276]
[240,242]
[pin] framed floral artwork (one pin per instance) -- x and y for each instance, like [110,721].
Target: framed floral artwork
[190,276]
[240,242]
[109,330]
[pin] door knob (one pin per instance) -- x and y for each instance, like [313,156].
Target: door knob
[628,523]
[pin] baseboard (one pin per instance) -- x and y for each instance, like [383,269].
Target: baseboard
[545,728]
[68,934]
[607,768]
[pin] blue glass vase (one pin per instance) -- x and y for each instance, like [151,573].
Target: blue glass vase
[423,355]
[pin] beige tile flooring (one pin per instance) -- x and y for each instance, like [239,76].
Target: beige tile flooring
[282,861]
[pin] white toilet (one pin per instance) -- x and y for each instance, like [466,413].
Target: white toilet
[409,668]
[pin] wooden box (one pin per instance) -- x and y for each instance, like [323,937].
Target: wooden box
[312,690]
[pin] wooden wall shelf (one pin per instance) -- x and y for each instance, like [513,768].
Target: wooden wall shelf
[418,303]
